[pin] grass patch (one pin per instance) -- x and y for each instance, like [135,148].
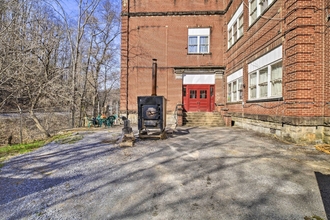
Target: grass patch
[17,149]
[314,217]
[20,148]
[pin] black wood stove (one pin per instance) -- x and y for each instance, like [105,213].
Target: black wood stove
[152,111]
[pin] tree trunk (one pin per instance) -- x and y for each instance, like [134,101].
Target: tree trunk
[39,125]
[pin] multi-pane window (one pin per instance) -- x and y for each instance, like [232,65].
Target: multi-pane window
[199,40]
[257,7]
[235,86]
[235,26]
[265,75]
[235,90]
[266,82]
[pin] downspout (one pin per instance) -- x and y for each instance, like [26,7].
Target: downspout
[127,54]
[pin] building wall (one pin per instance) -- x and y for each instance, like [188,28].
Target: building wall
[327,59]
[300,27]
[176,5]
[258,39]
[159,29]
[153,34]
[327,73]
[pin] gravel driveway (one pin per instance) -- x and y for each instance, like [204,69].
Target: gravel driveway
[198,173]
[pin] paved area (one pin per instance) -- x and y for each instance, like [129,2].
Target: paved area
[197,173]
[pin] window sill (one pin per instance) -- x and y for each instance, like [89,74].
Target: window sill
[199,54]
[234,103]
[235,42]
[265,100]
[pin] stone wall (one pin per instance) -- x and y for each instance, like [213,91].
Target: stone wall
[301,134]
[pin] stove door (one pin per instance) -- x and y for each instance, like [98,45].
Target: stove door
[151,112]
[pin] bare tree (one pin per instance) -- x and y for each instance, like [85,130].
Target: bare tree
[43,65]
[30,75]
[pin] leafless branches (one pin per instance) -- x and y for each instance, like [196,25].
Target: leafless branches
[49,58]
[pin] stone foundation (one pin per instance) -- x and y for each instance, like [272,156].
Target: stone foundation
[302,134]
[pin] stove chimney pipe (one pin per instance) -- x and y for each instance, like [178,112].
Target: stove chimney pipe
[154,77]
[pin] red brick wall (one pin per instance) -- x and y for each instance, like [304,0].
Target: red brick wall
[176,5]
[165,38]
[327,58]
[304,82]
[263,36]
[298,25]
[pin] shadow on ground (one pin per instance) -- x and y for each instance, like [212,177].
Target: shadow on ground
[199,173]
[323,182]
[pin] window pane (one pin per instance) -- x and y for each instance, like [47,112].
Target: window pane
[204,44]
[192,44]
[263,82]
[253,10]
[235,32]
[230,38]
[204,39]
[234,91]
[276,79]
[203,94]
[192,40]
[193,94]
[240,88]
[263,5]
[192,49]
[240,26]
[229,92]
[203,49]
[253,85]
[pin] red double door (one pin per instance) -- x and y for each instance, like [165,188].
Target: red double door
[198,98]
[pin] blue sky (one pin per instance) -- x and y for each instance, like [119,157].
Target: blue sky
[71,5]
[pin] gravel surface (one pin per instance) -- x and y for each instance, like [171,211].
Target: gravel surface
[197,173]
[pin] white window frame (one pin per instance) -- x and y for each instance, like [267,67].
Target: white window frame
[199,33]
[261,6]
[256,85]
[234,27]
[235,86]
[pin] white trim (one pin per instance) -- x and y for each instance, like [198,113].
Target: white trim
[199,31]
[191,79]
[235,17]
[235,75]
[266,59]
[260,10]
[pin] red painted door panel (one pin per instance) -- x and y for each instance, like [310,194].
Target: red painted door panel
[198,98]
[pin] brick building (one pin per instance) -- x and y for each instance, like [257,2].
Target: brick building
[263,62]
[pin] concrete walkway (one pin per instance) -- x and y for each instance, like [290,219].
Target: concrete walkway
[198,173]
